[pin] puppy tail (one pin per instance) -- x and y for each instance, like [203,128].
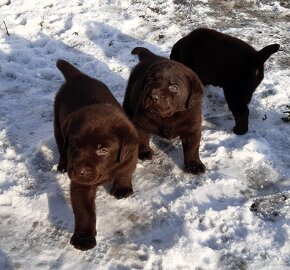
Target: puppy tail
[262,55]
[143,54]
[68,70]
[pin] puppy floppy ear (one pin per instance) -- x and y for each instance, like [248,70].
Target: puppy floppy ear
[142,85]
[194,92]
[144,93]
[128,137]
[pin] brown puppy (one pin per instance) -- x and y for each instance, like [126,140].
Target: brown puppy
[222,60]
[96,142]
[163,97]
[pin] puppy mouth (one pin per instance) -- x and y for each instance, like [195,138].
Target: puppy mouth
[85,181]
[166,114]
[162,112]
[82,183]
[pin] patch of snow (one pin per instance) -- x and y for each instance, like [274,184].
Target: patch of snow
[235,216]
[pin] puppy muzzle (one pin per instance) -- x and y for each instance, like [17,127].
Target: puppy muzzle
[84,175]
[158,105]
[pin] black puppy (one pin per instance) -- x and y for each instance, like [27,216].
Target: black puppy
[163,97]
[96,143]
[222,60]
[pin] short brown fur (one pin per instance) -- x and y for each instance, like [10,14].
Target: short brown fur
[225,61]
[163,97]
[96,143]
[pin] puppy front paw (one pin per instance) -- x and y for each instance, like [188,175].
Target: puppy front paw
[62,165]
[240,130]
[194,167]
[83,241]
[121,192]
[145,153]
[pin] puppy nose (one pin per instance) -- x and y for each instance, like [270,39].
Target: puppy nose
[154,97]
[85,171]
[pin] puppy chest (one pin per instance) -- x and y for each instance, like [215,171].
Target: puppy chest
[167,131]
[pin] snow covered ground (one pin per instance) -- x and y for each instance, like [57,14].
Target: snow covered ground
[235,216]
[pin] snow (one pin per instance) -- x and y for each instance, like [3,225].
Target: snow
[235,216]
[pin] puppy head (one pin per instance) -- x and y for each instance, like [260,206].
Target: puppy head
[170,87]
[95,145]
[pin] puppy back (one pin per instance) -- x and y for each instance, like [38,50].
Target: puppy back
[68,70]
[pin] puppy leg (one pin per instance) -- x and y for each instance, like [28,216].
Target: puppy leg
[145,152]
[62,163]
[190,145]
[122,187]
[237,102]
[83,203]
[242,121]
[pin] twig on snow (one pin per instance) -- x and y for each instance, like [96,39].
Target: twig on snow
[6,29]
[287,118]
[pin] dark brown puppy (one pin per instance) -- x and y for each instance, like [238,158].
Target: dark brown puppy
[96,142]
[222,60]
[163,97]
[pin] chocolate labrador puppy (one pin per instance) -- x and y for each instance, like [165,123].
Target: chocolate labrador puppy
[163,97]
[223,60]
[96,142]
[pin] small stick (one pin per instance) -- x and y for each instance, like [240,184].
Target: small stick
[6,29]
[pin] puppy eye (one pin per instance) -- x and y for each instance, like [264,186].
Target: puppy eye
[73,145]
[173,88]
[150,82]
[102,151]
